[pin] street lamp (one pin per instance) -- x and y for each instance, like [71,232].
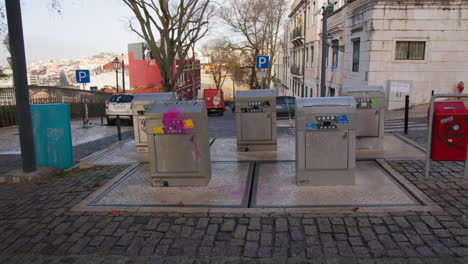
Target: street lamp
[116,65]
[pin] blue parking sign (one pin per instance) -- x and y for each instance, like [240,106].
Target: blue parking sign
[82,76]
[262,62]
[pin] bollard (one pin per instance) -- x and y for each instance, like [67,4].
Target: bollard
[406,113]
[119,134]
[102,120]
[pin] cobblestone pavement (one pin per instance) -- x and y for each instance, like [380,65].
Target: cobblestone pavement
[37,226]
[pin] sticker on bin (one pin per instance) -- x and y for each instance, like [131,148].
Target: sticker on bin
[375,101]
[174,127]
[342,119]
[311,126]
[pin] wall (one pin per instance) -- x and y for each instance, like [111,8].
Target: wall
[442,24]
[357,26]
[143,73]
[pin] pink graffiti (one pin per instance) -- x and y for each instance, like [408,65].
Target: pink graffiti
[196,150]
[173,124]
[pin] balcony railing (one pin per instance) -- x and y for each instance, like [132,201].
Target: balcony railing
[296,33]
[296,70]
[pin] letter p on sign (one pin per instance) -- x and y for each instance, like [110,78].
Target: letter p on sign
[262,62]
[82,76]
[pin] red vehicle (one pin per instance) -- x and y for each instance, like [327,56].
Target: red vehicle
[214,101]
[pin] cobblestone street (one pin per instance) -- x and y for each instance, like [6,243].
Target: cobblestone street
[37,226]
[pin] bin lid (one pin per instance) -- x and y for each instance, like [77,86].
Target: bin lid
[342,101]
[153,97]
[362,89]
[255,93]
[182,106]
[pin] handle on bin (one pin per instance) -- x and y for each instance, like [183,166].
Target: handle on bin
[345,134]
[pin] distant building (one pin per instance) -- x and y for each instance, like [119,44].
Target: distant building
[144,73]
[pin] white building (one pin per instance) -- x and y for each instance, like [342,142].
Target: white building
[421,42]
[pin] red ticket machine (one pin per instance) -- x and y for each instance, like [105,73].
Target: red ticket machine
[449,132]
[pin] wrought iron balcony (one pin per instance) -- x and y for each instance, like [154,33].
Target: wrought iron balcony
[296,70]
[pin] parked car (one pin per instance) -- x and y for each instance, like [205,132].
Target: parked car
[121,105]
[214,101]
[285,106]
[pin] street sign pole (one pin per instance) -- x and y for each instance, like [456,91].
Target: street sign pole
[20,78]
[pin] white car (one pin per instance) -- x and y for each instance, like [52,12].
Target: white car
[119,105]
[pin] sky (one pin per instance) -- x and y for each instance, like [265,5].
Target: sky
[84,28]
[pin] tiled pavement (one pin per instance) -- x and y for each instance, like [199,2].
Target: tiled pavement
[36,226]
[11,162]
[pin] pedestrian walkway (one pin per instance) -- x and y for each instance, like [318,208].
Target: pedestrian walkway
[398,125]
[37,225]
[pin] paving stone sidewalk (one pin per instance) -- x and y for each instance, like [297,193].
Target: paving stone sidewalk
[12,162]
[37,226]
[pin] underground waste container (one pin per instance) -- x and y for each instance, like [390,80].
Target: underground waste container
[369,118]
[178,142]
[256,120]
[325,141]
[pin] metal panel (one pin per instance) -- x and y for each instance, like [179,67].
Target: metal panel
[152,97]
[256,126]
[326,150]
[256,120]
[175,153]
[368,123]
[52,135]
[325,141]
[396,92]
[346,90]
[179,149]
[264,93]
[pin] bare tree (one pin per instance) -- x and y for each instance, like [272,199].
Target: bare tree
[178,24]
[222,60]
[258,21]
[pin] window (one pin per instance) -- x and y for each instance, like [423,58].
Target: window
[335,45]
[121,98]
[410,50]
[307,56]
[311,92]
[356,51]
[308,12]
[306,90]
[313,22]
[311,56]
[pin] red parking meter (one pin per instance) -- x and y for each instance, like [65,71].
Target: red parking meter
[449,132]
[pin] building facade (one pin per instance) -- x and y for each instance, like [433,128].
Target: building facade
[144,73]
[379,42]
[301,49]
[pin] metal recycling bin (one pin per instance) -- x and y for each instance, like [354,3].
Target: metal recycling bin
[450,131]
[325,141]
[140,103]
[52,135]
[178,142]
[256,119]
[370,104]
